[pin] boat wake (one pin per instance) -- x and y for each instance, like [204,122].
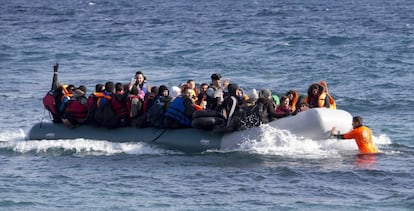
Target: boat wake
[271,141]
[15,142]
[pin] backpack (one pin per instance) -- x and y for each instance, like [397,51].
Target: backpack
[156,115]
[254,116]
[106,116]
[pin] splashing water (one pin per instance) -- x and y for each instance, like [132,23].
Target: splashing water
[15,141]
[272,141]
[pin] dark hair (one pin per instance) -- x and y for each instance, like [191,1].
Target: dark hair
[134,90]
[71,87]
[232,89]
[283,98]
[140,73]
[82,88]
[357,119]
[118,87]
[154,90]
[190,80]
[290,92]
[203,84]
[315,86]
[99,87]
[161,89]
[109,86]
[215,76]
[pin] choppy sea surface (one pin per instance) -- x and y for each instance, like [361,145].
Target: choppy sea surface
[364,50]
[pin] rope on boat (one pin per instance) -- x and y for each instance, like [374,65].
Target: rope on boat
[162,133]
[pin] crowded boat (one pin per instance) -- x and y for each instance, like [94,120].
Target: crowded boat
[220,106]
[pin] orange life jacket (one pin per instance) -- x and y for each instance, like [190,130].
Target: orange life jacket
[65,92]
[294,100]
[332,103]
[320,101]
[100,96]
[198,107]
[363,138]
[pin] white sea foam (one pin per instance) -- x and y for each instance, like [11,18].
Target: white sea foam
[79,146]
[12,135]
[274,141]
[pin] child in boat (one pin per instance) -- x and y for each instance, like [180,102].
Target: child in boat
[284,107]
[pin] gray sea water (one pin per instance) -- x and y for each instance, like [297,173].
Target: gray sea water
[363,49]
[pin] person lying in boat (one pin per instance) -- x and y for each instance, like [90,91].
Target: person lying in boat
[215,91]
[76,111]
[361,134]
[179,112]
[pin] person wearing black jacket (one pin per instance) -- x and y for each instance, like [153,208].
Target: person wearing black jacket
[269,111]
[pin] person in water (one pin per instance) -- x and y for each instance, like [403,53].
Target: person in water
[361,134]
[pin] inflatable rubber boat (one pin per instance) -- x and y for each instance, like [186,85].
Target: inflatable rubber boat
[314,124]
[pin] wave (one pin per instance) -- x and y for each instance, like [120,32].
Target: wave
[282,143]
[82,147]
[14,141]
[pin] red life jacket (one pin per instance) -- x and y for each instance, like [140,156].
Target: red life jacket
[50,103]
[77,110]
[120,108]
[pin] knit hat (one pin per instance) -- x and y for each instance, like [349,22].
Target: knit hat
[265,93]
